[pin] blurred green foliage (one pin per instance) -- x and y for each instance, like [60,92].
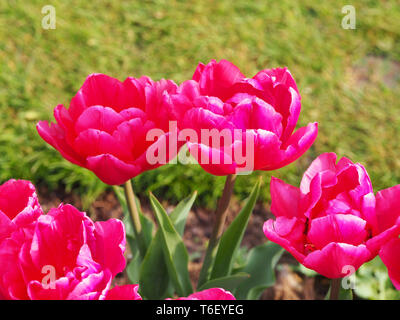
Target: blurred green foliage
[349,79]
[372,282]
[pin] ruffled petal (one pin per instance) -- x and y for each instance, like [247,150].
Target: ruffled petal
[202,119]
[100,118]
[343,228]
[288,233]
[93,142]
[64,227]
[132,136]
[217,78]
[256,114]
[276,75]
[55,291]
[93,287]
[158,105]
[324,162]
[19,202]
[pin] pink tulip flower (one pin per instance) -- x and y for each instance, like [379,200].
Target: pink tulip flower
[19,208]
[253,119]
[333,223]
[388,207]
[61,255]
[105,127]
[210,294]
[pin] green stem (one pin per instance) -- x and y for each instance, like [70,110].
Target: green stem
[134,216]
[335,289]
[220,217]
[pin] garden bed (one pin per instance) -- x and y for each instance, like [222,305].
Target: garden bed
[290,284]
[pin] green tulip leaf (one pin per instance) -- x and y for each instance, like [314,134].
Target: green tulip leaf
[260,265]
[175,253]
[228,283]
[154,268]
[232,237]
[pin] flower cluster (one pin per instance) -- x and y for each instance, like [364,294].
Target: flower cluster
[110,126]
[333,223]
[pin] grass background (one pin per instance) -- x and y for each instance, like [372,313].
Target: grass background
[349,79]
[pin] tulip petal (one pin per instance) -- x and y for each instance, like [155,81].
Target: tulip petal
[256,114]
[133,113]
[64,120]
[377,241]
[343,228]
[277,75]
[19,202]
[214,161]
[110,245]
[6,226]
[12,285]
[217,78]
[132,136]
[298,144]
[390,257]
[266,148]
[202,120]
[157,102]
[324,162]
[56,137]
[92,287]
[288,104]
[134,93]
[64,227]
[210,294]
[59,291]
[93,142]
[100,118]
[98,89]
[126,292]
[387,207]
[288,233]
[284,199]
[336,259]
[199,70]
[111,170]
[187,93]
